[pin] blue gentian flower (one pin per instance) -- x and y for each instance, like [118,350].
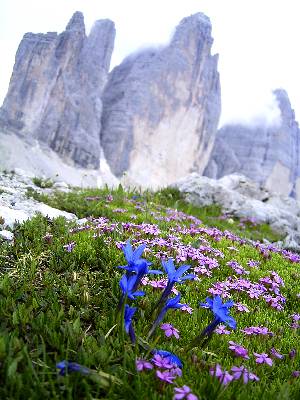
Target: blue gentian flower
[136,265]
[174,276]
[220,310]
[128,285]
[133,257]
[128,315]
[172,357]
[69,366]
[221,314]
[171,303]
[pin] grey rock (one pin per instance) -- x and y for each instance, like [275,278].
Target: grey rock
[55,90]
[292,242]
[60,185]
[241,197]
[16,207]
[161,108]
[6,235]
[268,155]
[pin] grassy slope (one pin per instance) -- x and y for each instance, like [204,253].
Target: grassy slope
[57,305]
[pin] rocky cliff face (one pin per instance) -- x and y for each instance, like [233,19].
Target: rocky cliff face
[268,155]
[56,87]
[161,108]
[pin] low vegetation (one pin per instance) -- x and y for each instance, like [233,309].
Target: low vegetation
[64,299]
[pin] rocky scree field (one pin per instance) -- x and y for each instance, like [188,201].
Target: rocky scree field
[85,315]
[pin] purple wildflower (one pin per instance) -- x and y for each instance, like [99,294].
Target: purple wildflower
[256,330]
[223,376]
[171,356]
[263,358]
[166,376]
[184,392]
[143,364]
[296,374]
[221,330]
[296,317]
[187,309]
[170,330]
[241,307]
[292,353]
[162,362]
[253,264]
[176,371]
[48,238]
[238,372]
[274,353]
[69,247]
[239,351]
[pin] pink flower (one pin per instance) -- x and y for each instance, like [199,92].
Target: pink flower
[241,307]
[223,376]
[275,354]
[162,362]
[184,393]
[239,351]
[187,308]
[238,372]
[143,364]
[176,371]
[221,330]
[170,330]
[263,358]
[165,376]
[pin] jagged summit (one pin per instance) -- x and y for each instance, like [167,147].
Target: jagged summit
[76,22]
[56,87]
[163,107]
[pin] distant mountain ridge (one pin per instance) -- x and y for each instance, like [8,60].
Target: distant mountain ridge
[269,155]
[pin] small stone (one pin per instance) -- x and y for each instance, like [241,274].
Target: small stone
[6,235]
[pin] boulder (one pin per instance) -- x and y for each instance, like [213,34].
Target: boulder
[243,198]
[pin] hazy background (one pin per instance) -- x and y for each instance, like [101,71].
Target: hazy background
[257,40]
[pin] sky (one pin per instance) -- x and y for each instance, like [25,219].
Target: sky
[257,42]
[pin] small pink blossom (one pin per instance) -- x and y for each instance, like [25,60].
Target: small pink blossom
[143,364]
[165,376]
[162,362]
[238,372]
[221,330]
[274,353]
[241,307]
[187,309]
[184,392]
[170,330]
[223,376]
[239,351]
[263,358]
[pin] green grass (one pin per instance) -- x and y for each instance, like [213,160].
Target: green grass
[57,305]
[42,183]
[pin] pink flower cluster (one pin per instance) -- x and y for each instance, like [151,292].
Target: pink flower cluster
[236,373]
